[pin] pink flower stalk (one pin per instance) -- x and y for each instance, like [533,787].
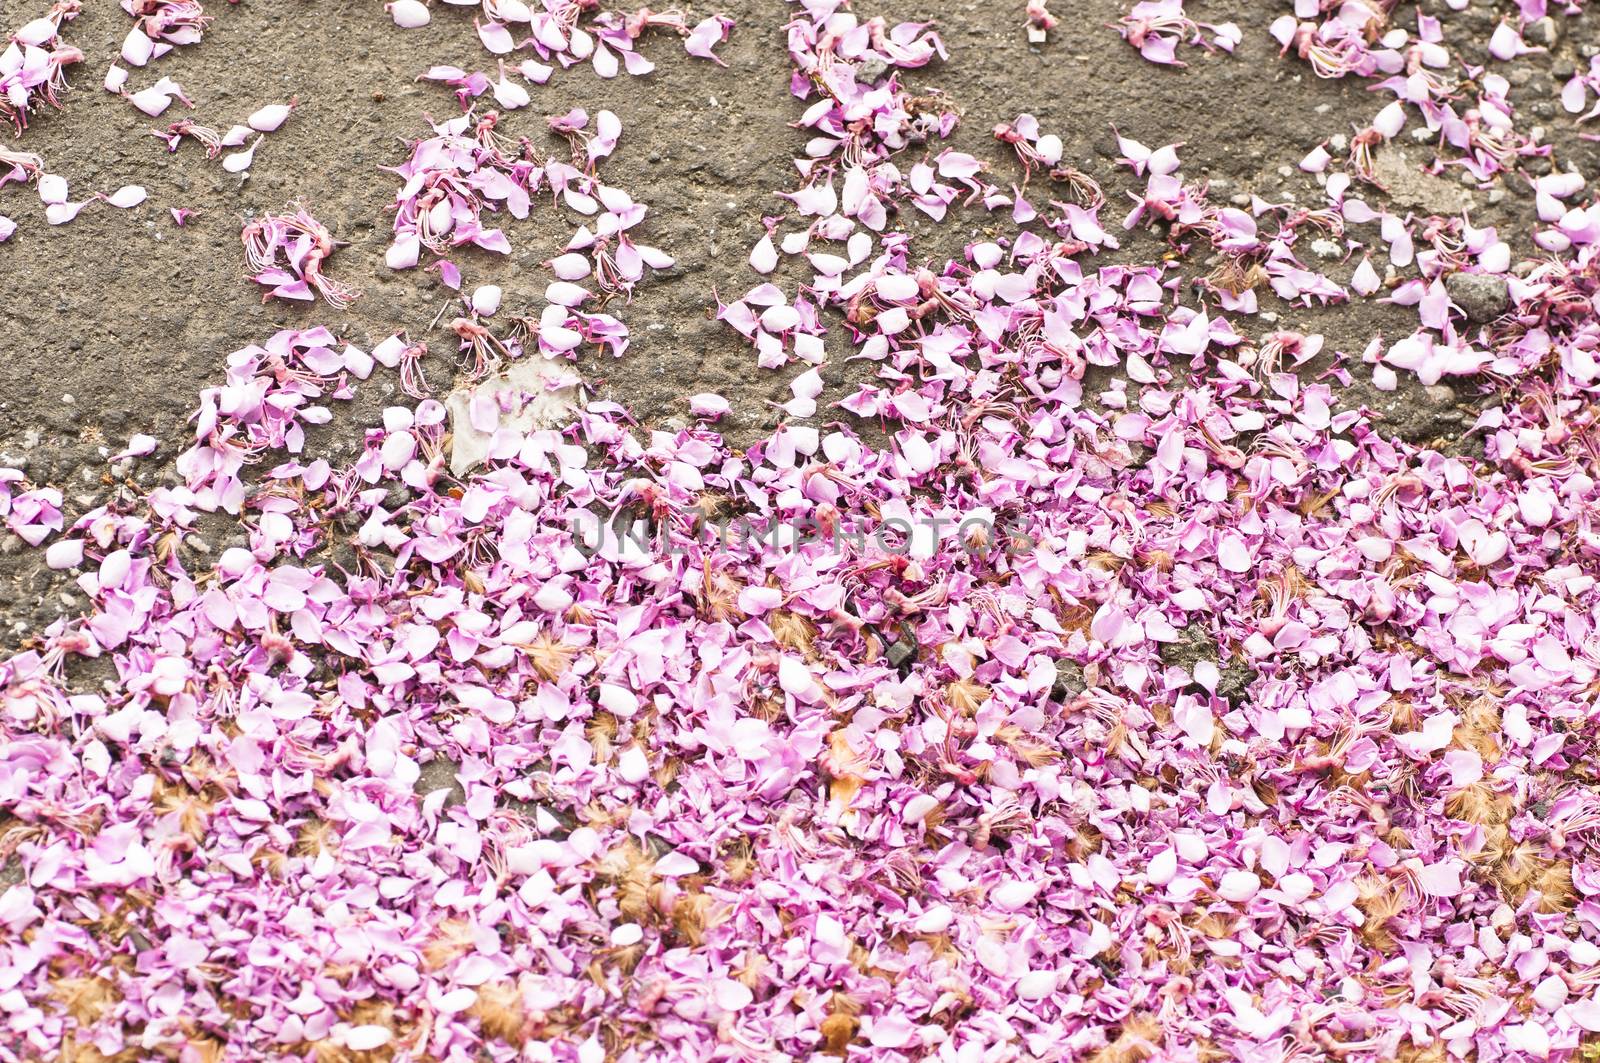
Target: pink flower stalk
[304,244]
[19,166]
[1157,27]
[1334,48]
[575,31]
[175,21]
[209,138]
[35,64]
[454,181]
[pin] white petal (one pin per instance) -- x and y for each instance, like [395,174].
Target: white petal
[127,196]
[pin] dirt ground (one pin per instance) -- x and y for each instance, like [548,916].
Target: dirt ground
[113,323]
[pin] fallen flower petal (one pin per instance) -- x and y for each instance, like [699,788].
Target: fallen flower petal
[240,161]
[272,116]
[127,196]
[708,33]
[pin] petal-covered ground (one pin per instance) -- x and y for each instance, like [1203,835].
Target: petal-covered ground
[1068,662]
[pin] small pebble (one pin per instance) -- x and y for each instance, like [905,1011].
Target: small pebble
[1544,32]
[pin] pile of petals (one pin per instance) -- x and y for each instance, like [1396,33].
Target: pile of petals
[699,795]
[469,169]
[1414,67]
[286,253]
[34,513]
[33,64]
[1157,27]
[160,26]
[262,121]
[860,116]
[1173,712]
[1481,140]
[556,31]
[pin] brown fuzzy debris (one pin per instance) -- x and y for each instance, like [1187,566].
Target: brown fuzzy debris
[633,871]
[75,1051]
[550,657]
[793,631]
[1480,804]
[717,597]
[600,732]
[1235,276]
[192,810]
[1512,869]
[1380,901]
[1402,715]
[692,915]
[841,1025]
[740,863]
[86,999]
[1030,752]
[500,1012]
[966,696]
[1525,868]
[1215,925]
[1139,1040]
[1479,729]
[328,1052]
[1555,887]
[452,939]
[1159,950]
[316,837]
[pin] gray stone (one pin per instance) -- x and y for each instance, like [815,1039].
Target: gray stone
[440,774]
[1193,645]
[871,70]
[1411,186]
[1235,682]
[1416,414]
[901,653]
[1069,680]
[1481,297]
[1544,32]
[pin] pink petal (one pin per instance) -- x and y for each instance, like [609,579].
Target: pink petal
[270,117]
[127,196]
[708,33]
[240,161]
